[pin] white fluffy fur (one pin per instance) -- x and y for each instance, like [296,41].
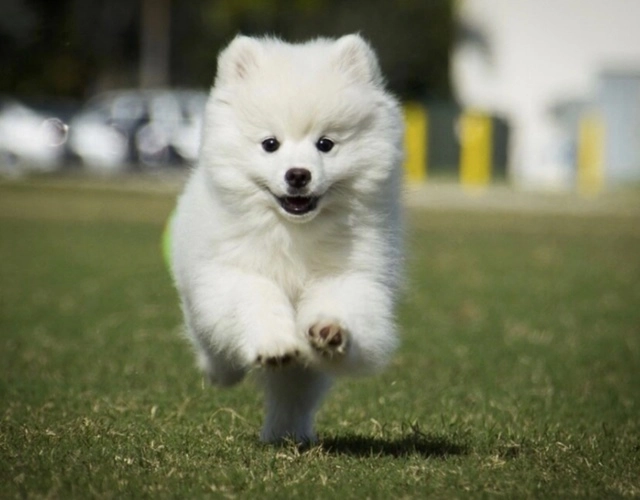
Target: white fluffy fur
[256,282]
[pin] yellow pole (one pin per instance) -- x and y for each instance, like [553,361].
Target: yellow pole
[475,149]
[590,154]
[415,142]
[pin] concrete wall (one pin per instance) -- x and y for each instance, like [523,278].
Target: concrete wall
[538,54]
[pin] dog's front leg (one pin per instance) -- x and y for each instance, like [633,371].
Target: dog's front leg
[348,321]
[239,320]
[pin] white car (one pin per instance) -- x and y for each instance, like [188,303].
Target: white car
[143,127]
[29,140]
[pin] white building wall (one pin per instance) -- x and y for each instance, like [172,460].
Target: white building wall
[542,52]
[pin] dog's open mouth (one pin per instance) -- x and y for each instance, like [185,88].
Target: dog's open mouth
[298,205]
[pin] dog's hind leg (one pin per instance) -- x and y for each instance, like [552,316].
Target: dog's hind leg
[218,371]
[292,397]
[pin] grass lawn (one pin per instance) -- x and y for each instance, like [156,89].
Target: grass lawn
[519,373]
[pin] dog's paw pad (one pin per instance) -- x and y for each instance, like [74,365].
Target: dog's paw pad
[328,339]
[278,360]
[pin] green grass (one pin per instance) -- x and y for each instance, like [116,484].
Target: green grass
[519,373]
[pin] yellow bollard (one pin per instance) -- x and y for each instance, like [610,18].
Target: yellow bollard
[590,155]
[415,142]
[476,130]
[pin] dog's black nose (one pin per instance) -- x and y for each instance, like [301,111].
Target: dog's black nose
[297,177]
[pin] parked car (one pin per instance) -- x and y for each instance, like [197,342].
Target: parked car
[148,128]
[30,140]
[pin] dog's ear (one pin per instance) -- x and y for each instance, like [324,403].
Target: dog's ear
[238,60]
[355,57]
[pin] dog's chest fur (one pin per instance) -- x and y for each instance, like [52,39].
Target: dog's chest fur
[290,255]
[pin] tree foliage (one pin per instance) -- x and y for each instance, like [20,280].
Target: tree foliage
[76,47]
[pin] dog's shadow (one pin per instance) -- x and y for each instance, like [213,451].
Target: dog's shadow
[424,445]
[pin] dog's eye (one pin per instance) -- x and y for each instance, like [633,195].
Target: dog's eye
[324,144]
[270,144]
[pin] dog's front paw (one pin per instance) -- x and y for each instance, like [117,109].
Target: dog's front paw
[329,338]
[278,360]
[275,351]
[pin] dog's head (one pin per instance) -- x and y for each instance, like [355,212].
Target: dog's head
[300,128]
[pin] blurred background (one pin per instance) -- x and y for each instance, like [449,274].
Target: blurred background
[532,94]
[518,369]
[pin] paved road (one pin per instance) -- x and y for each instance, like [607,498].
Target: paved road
[440,196]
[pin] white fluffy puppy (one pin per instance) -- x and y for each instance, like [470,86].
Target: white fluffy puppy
[286,243]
